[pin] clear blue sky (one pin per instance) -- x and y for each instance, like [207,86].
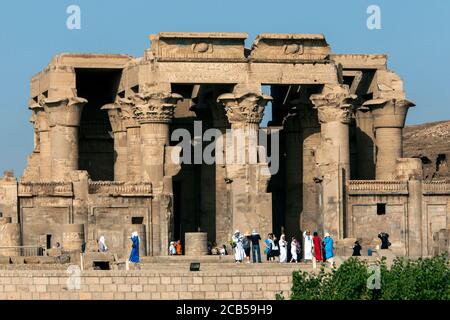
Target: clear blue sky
[415,35]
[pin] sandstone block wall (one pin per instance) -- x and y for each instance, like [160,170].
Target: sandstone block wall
[144,285]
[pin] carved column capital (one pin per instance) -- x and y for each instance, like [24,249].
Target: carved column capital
[389,113]
[155,107]
[334,104]
[115,117]
[40,119]
[244,107]
[127,116]
[63,111]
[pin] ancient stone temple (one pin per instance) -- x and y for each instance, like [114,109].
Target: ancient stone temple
[103,160]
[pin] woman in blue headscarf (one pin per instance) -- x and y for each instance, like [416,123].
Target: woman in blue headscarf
[328,243]
[134,256]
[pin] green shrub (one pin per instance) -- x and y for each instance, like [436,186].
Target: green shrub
[422,279]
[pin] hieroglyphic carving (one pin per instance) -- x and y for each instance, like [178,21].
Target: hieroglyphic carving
[28,189]
[118,188]
[377,187]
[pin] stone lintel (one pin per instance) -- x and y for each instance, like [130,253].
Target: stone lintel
[360,61]
[180,46]
[92,60]
[289,47]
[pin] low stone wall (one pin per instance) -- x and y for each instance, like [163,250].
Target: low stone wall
[235,283]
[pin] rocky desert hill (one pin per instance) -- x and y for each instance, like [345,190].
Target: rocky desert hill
[431,143]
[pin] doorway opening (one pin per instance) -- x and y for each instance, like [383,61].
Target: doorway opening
[96,144]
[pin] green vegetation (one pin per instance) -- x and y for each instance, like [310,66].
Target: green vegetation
[421,279]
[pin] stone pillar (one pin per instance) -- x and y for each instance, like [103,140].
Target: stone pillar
[223,217]
[389,119]
[310,217]
[133,134]
[250,205]
[120,141]
[154,110]
[410,169]
[196,243]
[294,173]
[334,112]
[365,144]
[43,142]
[63,115]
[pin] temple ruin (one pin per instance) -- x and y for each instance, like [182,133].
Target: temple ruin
[102,163]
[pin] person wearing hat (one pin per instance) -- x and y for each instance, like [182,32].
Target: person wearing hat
[172,248]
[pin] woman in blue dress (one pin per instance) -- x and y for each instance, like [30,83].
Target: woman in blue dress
[134,256]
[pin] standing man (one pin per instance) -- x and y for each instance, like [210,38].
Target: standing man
[256,250]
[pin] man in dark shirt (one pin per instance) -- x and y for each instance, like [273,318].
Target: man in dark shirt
[384,237]
[255,238]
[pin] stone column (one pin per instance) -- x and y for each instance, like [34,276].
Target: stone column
[334,112]
[154,110]
[120,141]
[133,134]
[365,144]
[248,201]
[294,173]
[310,144]
[42,141]
[389,119]
[63,115]
[223,215]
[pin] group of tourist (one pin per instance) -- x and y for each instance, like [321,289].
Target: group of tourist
[247,245]
[175,248]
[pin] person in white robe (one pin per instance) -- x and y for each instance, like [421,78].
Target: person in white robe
[294,250]
[102,244]
[307,246]
[283,249]
[239,252]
